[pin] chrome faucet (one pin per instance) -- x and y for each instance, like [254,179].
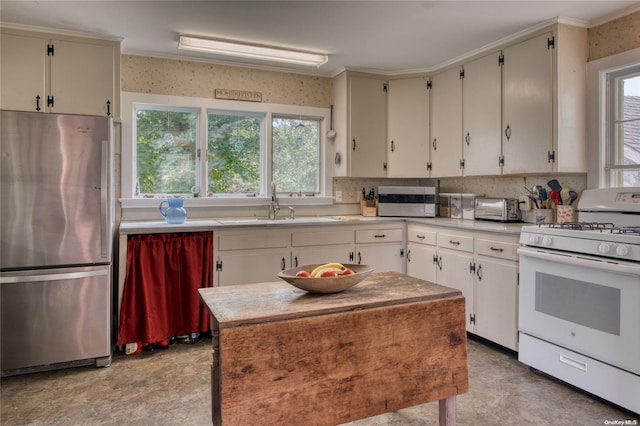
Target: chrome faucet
[274,205]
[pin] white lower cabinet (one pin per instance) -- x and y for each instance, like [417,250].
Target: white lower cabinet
[421,253]
[496,301]
[482,265]
[455,270]
[250,256]
[251,266]
[322,246]
[253,255]
[381,248]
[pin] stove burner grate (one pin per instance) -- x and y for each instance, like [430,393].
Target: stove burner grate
[583,226]
[605,228]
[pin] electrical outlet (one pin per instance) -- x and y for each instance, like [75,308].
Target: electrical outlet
[338,196]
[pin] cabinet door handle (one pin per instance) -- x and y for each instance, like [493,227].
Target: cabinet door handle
[454,243]
[479,272]
[359,258]
[38,103]
[498,249]
[295,261]
[393,146]
[351,256]
[467,139]
[380,236]
[433,144]
[507,132]
[420,237]
[353,144]
[409,255]
[439,262]
[108,108]
[284,265]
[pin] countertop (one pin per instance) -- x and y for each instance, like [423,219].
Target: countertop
[194,225]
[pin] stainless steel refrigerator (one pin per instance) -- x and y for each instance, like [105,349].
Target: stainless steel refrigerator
[56,216]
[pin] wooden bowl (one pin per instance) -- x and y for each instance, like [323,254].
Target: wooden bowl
[326,284]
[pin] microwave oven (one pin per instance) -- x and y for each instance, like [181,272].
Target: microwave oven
[409,201]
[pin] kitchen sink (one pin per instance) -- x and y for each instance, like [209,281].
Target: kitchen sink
[277,220]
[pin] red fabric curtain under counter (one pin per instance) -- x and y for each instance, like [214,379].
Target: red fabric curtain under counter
[160,297]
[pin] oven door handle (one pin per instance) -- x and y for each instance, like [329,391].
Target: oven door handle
[591,262]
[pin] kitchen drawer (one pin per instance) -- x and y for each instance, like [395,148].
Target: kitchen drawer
[493,248]
[586,373]
[378,235]
[420,235]
[321,238]
[455,242]
[252,240]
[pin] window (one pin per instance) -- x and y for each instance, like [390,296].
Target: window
[166,144]
[296,155]
[225,153]
[233,153]
[624,127]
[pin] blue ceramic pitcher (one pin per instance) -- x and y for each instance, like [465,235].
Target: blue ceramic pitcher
[174,213]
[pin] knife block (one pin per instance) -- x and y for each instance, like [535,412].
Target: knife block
[369,211]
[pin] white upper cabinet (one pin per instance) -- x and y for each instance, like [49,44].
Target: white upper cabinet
[446,123]
[482,116]
[408,128]
[45,73]
[82,78]
[528,106]
[544,103]
[23,68]
[367,126]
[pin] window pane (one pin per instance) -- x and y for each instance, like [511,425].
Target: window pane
[165,151]
[631,142]
[233,157]
[626,177]
[296,155]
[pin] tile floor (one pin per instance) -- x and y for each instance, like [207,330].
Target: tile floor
[171,387]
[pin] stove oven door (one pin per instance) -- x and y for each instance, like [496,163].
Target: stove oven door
[583,303]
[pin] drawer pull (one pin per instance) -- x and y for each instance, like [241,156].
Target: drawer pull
[420,237]
[380,236]
[498,249]
[455,243]
[582,366]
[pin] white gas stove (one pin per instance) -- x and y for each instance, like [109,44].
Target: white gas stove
[609,226]
[579,295]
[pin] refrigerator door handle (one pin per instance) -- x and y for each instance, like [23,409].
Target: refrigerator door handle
[9,279]
[104,200]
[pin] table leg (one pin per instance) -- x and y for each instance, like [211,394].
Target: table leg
[447,411]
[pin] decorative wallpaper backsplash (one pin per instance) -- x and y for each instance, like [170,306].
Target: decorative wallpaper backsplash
[499,186]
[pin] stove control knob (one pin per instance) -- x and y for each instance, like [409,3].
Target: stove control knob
[547,240]
[604,248]
[534,239]
[622,250]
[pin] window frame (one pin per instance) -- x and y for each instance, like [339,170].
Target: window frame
[129,100]
[597,112]
[614,141]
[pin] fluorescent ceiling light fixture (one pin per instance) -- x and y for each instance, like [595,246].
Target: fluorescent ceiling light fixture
[243,50]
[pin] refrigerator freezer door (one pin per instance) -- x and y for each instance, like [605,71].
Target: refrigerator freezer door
[55,316]
[55,171]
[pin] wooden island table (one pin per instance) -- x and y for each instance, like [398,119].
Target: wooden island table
[282,356]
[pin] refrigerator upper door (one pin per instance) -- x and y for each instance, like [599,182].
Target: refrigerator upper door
[55,206]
